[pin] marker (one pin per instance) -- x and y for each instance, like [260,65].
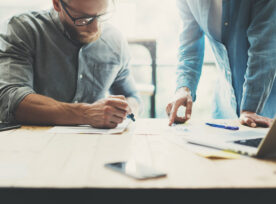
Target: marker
[223,126]
[131,116]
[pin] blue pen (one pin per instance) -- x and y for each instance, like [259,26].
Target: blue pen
[131,116]
[223,126]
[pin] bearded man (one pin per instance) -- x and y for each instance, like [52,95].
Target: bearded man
[57,66]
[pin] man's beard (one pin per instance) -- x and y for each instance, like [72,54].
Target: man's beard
[84,38]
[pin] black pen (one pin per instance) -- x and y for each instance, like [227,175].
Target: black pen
[131,116]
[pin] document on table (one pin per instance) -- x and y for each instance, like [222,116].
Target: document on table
[203,132]
[87,129]
[200,132]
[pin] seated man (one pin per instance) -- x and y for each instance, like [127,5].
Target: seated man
[56,67]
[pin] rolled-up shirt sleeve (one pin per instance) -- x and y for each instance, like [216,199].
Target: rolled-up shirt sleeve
[191,51]
[16,69]
[261,68]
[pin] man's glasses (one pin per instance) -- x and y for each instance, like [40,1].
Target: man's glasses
[82,21]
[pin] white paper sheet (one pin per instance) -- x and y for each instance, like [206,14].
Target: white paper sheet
[86,129]
[203,132]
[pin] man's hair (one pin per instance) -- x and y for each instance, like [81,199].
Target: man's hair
[68,1]
[112,1]
[112,5]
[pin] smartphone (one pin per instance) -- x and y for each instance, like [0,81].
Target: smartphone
[8,126]
[135,170]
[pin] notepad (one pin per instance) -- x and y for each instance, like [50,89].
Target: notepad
[87,129]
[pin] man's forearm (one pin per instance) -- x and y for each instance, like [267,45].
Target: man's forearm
[38,109]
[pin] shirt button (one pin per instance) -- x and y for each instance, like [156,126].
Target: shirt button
[81,76]
[226,23]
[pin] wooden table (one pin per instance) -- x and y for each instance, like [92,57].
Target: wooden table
[39,167]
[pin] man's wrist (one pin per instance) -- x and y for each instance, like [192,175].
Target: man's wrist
[72,113]
[81,113]
[183,91]
[246,111]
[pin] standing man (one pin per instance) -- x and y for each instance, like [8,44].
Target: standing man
[56,67]
[243,38]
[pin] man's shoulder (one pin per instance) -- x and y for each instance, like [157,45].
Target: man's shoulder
[30,16]
[27,20]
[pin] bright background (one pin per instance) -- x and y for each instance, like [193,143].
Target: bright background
[152,19]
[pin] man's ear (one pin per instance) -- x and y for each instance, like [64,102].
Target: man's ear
[56,5]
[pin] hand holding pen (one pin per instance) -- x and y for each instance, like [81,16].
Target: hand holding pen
[130,115]
[105,113]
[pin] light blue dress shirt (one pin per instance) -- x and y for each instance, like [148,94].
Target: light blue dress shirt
[38,56]
[245,54]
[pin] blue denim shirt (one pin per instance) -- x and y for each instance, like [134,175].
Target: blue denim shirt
[38,56]
[245,55]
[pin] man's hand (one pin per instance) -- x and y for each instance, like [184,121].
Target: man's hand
[253,120]
[182,98]
[106,113]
